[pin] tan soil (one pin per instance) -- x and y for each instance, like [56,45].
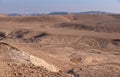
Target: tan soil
[60,46]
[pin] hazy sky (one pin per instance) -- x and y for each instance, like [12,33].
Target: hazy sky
[45,6]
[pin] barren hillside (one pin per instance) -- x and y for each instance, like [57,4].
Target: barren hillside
[60,46]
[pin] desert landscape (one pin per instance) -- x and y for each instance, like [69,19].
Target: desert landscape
[72,45]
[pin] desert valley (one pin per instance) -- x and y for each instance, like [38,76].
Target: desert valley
[72,45]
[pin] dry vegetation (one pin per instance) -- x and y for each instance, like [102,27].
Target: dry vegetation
[60,46]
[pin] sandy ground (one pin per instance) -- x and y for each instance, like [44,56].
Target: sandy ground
[60,46]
